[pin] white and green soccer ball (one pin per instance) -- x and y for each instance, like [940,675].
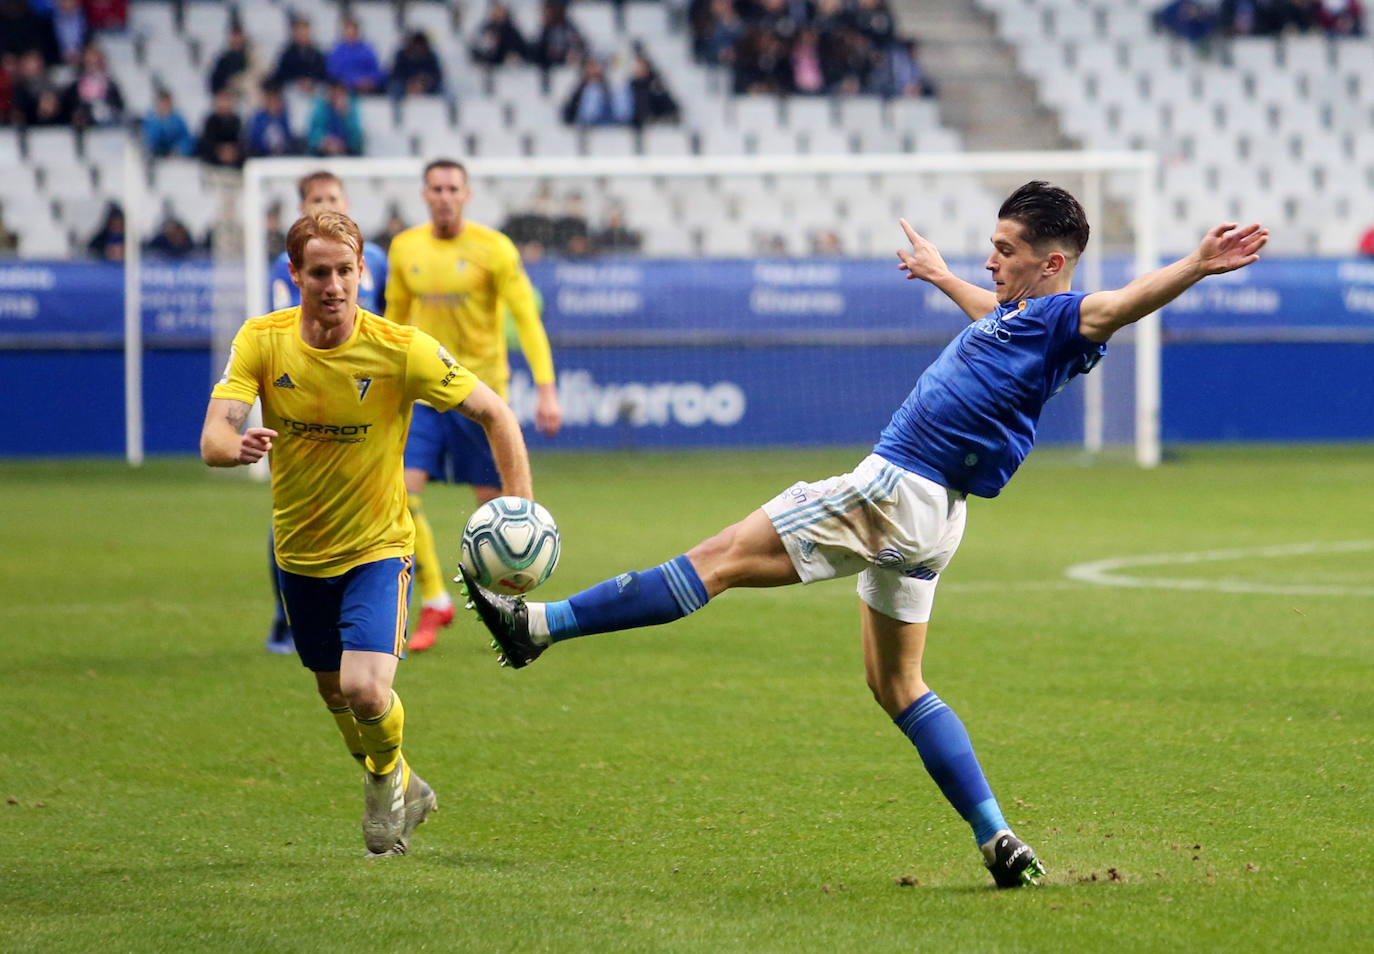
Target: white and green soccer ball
[511,545]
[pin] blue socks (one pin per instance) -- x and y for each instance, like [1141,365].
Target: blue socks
[944,746]
[665,593]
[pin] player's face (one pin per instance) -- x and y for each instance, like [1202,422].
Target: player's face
[445,192]
[1015,267]
[328,280]
[324,196]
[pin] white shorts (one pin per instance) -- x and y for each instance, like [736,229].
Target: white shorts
[893,528]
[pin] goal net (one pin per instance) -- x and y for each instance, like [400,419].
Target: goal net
[763,306]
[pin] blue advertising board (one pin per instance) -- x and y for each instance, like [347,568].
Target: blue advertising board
[660,354]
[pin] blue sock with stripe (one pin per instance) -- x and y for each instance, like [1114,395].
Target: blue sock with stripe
[944,746]
[647,598]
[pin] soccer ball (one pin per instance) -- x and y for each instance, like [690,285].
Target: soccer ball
[511,545]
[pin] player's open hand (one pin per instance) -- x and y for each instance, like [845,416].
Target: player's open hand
[1229,247]
[924,260]
[256,442]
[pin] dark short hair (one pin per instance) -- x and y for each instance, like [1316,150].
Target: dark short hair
[444,164]
[1047,213]
[320,175]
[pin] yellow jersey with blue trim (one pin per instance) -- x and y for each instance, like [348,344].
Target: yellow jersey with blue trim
[341,415]
[457,289]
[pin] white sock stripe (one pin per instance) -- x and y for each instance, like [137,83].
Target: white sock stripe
[681,588]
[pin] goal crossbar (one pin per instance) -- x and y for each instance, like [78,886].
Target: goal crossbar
[1092,166]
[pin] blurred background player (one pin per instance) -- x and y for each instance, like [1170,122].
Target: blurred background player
[320,190]
[327,372]
[456,279]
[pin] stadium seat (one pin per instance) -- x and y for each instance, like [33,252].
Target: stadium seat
[43,238]
[206,25]
[596,19]
[666,141]
[609,141]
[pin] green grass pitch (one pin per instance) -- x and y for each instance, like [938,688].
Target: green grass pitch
[1193,764]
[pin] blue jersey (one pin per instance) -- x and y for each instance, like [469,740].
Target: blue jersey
[283,293]
[971,418]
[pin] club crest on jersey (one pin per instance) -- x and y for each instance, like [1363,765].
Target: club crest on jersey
[363,384]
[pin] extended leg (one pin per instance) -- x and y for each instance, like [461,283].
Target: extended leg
[436,606]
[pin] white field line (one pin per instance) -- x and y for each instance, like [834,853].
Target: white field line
[1106,572]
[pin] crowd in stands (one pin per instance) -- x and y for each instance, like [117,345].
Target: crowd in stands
[1199,22]
[540,231]
[52,70]
[797,47]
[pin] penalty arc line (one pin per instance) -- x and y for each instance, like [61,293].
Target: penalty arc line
[1105,572]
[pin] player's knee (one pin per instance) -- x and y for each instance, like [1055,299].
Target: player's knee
[368,699]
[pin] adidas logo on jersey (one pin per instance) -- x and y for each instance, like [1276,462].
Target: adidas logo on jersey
[284,382]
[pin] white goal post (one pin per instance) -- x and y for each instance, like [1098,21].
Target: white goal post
[1097,171]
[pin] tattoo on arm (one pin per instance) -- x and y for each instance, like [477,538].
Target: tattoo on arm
[237,414]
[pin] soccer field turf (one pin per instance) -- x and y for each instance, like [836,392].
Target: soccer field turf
[1190,756]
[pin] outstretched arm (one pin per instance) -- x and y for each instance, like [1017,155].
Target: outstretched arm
[925,262]
[485,407]
[221,444]
[1225,248]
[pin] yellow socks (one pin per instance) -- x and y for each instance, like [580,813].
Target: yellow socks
[381,737]
[427,571]
[348,728]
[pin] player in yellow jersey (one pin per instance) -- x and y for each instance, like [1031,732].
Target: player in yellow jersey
[455,279]
[337,384]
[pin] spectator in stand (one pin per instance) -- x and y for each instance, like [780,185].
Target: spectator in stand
[394,226]
[900,73]
[37,100]
[107,14]
[649,99]
[9,65]
[825,243]
[107,244]
[761,64]
[778,18]
[1186,19]
[93,98]
[498,39]
[615,237]
[722,32]
[559,41]
[416,71]
[233,61]
[71,30]
[269,128]
[173,238]
[1342,17]
[301,61]
[592,101]
[335,127]
[221,138]
[354,62]
[22,29]
[165,132]
[571,234]
[807,77]
[874,20]
[532,229]
[9,240]
[276,234]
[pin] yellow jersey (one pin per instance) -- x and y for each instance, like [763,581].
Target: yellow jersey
[454,289]
[341,415]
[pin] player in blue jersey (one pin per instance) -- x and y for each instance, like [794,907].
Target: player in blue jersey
[320,190]
[896,520]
